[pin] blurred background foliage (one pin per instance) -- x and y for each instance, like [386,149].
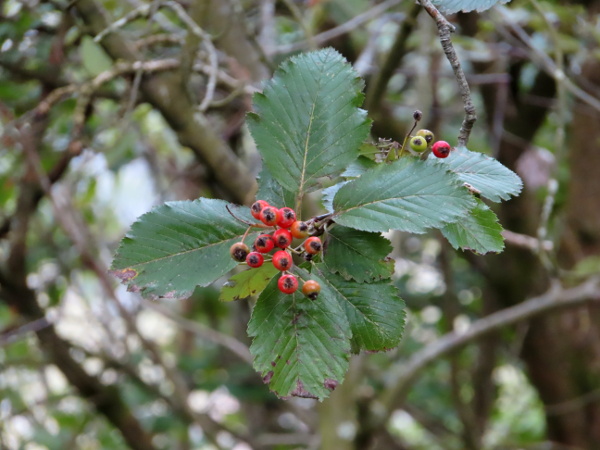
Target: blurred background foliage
[110,107]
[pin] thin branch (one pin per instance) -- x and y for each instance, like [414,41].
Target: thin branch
[139,12]
[340,30]
[206,40]
[546,63]
[223,340]
[94,84]
[394,57]
[528,242]
[11,336]
[556,297]
[444,30]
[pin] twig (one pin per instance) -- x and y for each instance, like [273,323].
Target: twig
[444,30]
[210,48]
[340,30]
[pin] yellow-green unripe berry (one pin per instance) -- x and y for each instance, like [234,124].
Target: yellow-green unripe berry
[428,135]
[418,143]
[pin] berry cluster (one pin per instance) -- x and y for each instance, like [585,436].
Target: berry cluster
[287,228]
[424,140]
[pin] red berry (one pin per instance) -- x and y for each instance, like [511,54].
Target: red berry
[282,260]
[313,245]
[255,259]
[287,283]
[299,229]
[441,149]
[282,238]
[264,243]
[239,251]
[257,207]
[288,217]
[269,215]
[311,289]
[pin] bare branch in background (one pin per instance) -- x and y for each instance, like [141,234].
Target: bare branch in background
[340,30]
[556,297]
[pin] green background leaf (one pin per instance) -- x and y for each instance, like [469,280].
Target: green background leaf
[375,311]
[308,123]
[179,245]
[358,255]
[480,231]
[247,283]
[94,58]
[408,195]
[494,180]
[301,346]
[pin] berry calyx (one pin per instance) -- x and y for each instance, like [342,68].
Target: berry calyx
[299,229]
[428,135]
[287,283]
[282,260]
[269,215]
[264,243]
[257,207]
[441,149]
[311,289]
[312,245]
[288,217]
[239,251]
[282,238]
[255,259]
[418,143]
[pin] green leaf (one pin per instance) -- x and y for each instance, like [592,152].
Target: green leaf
[247,283]
[94,58]
[479,231]
[272,192]
[308,123]
[358,167]
[328,194]
[179,245]
[408,195]
[301,346]
[358,255]
[490,177]
[375,311]
[454,6]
